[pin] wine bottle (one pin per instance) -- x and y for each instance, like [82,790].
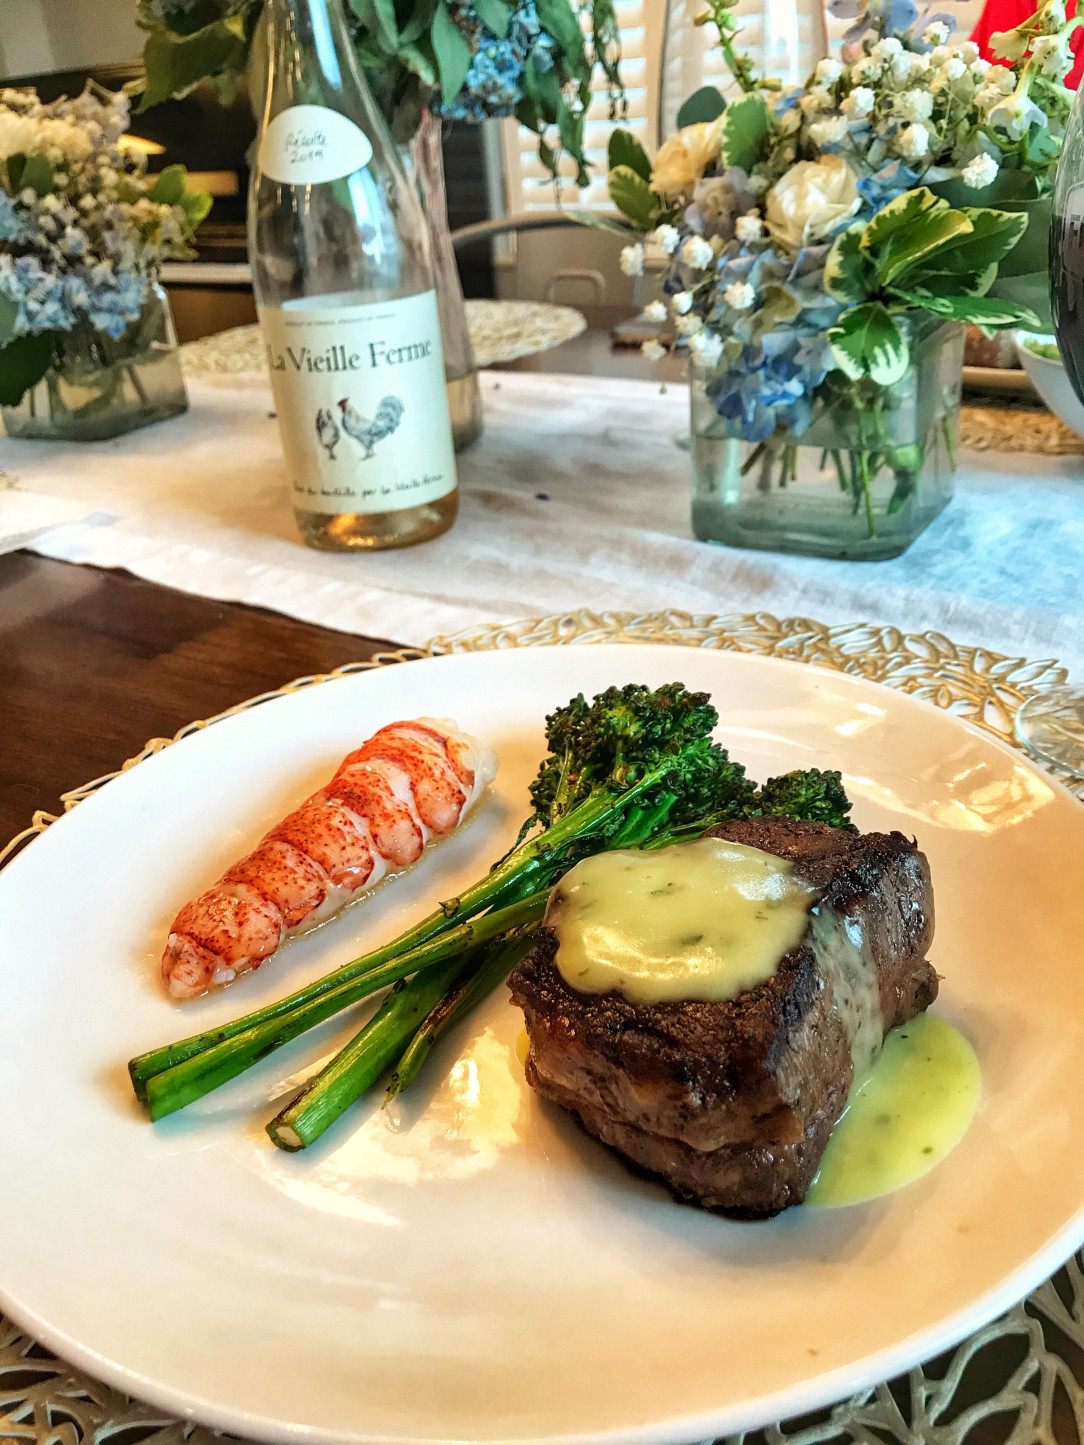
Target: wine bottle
[345,297]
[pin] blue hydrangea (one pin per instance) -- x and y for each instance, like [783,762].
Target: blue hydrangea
[13,225]
[885,185]
[494,84]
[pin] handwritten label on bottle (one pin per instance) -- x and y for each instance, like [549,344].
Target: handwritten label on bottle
[307,144]
[362,403]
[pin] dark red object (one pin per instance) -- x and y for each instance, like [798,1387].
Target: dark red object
[1007,14]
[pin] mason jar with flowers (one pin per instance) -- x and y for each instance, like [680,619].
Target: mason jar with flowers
[87,348]
[822,257]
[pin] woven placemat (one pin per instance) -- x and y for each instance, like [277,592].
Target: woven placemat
[997,427]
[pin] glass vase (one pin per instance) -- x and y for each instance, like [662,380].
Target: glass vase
[426,162]
[871,471]
[99,387]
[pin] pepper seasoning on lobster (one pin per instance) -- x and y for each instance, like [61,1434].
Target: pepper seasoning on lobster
[410,782]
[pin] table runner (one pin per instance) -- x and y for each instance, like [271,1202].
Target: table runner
[576,496]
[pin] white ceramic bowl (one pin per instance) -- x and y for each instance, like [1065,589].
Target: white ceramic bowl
[1050,380]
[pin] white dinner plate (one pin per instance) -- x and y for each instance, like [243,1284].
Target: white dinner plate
[468,1266]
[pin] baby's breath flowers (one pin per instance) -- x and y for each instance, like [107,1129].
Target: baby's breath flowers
[83,229]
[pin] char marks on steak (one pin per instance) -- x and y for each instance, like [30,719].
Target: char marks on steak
[731,1104]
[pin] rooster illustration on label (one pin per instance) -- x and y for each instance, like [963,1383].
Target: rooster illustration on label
[327,432]
[367,433]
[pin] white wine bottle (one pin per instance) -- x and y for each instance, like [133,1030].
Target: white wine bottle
[345,297]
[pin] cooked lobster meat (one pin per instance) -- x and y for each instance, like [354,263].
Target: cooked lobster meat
[410,782]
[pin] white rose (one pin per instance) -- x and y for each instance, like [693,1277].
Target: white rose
[914,141]
[740,295]
[827,72]
[655,312]
[979,172]
[748,229]
[681,302]
[706,347]
[666,238]
[632,260]
[810,200]
[685,157]
[859,103]
[697,253]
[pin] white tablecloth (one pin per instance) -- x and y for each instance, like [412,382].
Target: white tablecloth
[576,496]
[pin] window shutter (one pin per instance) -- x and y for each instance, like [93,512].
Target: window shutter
[528,184]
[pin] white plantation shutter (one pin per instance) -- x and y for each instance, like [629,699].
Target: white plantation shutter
[527,182]
[784,38]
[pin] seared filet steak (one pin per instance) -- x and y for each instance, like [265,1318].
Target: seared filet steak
[732,1103]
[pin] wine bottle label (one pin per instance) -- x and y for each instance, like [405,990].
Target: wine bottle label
[306,144]
[362,403]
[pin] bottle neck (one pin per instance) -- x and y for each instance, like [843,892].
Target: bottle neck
[312,58]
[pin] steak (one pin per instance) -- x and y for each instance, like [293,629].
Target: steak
[731,1104]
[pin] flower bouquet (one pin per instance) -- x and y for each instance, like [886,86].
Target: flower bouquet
[467,60]
[86,341]
[824,245]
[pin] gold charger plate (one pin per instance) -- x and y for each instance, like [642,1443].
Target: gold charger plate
[1014,1381]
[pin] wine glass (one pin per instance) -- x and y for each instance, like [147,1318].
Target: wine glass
[1051,724]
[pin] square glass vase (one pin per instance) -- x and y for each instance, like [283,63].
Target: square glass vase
[99,387]
[872,470]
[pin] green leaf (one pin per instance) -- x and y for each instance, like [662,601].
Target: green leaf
[418,25]
[625,150]
[38,173]
[175,64]
[196,206]
[23,363]
[452,52]
[969,260]
[848,275]
[558,19]
[746,127]
[169,186]
[387,29]
[704,104]
[9,310]
[866,341]
[1031,291]
[544,89]
[900,214]
[923,238]
[418,62]
[494,14]
[632,196]
[986,311]
[16,164]
[570,129]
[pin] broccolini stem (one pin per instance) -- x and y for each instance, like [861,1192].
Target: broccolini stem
[358,1066]
[468,991]
[176,1087]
